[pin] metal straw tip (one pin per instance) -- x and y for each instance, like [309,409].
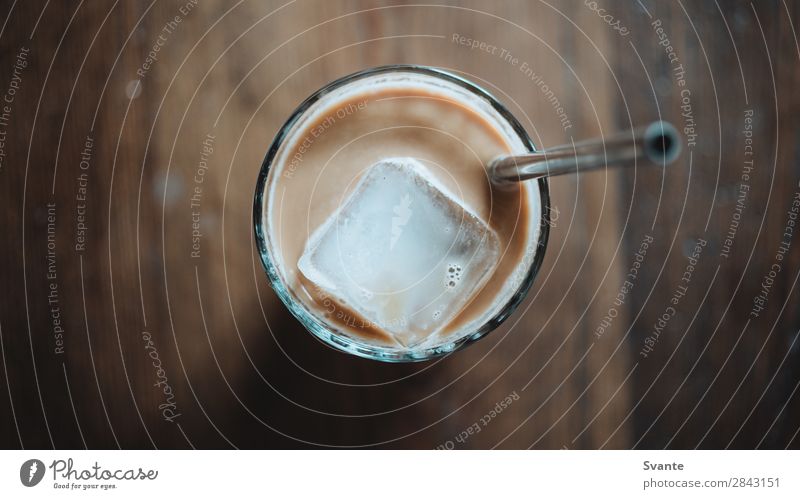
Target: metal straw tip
[662,144]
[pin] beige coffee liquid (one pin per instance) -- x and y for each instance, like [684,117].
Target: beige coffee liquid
[323,160]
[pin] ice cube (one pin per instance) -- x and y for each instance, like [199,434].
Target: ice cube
[402,252]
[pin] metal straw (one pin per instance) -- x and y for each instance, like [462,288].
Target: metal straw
[655,144]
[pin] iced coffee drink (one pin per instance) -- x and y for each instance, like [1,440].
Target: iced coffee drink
[378,223]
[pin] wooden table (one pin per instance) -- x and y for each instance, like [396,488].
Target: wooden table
[114,334]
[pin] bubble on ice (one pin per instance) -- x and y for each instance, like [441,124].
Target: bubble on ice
[402,252]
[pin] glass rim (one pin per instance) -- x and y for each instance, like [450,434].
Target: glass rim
[326,332]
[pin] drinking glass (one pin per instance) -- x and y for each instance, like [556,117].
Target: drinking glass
[436,80]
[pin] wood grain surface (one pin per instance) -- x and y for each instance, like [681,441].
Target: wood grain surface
[124,339]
